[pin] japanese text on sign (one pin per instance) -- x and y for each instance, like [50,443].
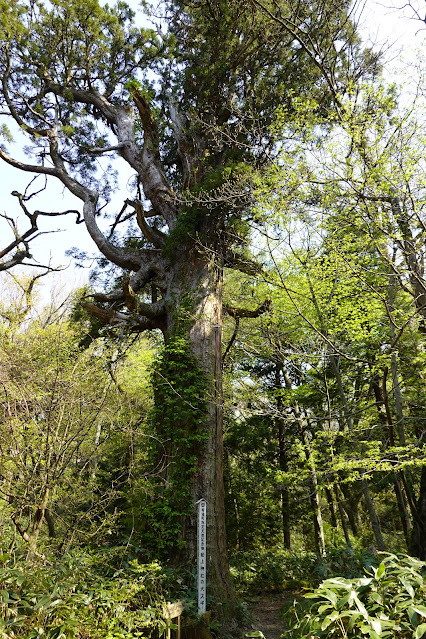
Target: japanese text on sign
[201,567]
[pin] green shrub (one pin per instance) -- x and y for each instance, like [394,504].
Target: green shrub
[271,569]
[277,568]
[345,562]
[387,603]
[77,597]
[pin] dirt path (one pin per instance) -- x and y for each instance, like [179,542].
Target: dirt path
[266,612]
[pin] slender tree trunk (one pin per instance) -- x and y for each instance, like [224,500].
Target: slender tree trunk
[331,506]
[418,541]
[283,461]
[385,417]
[314,498]
[314,495]
[342,515]
[398,395]
[413,258]
[50,520]
[350,504]
[232,498]
[38,521]
[31,537]
[375,523]
[405,475]
[284,492]
[415,264]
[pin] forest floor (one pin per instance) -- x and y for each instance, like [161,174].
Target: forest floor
[267,613]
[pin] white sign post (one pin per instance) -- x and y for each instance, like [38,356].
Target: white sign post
[202,554]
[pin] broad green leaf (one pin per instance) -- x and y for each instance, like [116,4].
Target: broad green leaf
[347,599]
[412,615]
[408,587]
[324,607]
[329,619]
[377,626]
[329,594]
[338,581]
[361,607]
[380,571]
[353,619]
[420,631]
[374,596]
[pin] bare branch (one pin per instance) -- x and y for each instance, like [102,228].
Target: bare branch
[147,163]
[239,263]
[153,235]
[107,149]
[133,322]
[232,340]
[18,258]
[244,312]
[30,168]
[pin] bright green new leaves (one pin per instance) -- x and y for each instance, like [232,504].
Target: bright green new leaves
[60,409]
[81,594]
[388,604]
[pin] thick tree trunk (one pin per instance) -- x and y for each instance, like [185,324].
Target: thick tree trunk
[195,292]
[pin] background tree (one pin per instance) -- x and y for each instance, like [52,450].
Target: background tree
[74,432]
[358,253]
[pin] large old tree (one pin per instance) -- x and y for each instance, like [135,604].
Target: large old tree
[189,107]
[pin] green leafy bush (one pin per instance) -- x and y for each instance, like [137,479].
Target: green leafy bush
[346,562]
[77,597]
[271,569]
[387,603]
[277,568]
